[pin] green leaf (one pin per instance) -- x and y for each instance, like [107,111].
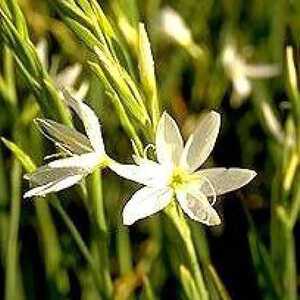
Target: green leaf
[17,44]
[12,286]
[147,73]
[35,86]
[68,9]
[188,283]
[121,81]
[294,95]
[83,33]
[127,125]
[263,265]
[19,18]
[59,106]
[148,290]
[218,283]
[25,160]
[102,20]
[86,6]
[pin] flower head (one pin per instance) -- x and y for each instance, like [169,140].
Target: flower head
[173,25]
[240,73]
[67,77]
[84,153]
[175,174]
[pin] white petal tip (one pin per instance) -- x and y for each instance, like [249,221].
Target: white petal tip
[28,195]
[215,220]
[127,221]
[216,115]
[251,174]
[33,193]
[165,115]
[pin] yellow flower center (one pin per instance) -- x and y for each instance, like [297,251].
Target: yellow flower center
[104,161]
[178,178]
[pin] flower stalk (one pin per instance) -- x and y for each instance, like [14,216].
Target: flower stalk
[176,215]
[11,286]
[79,241]
[94,186]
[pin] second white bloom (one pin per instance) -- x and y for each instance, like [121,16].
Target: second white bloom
[175,175]
[84,153]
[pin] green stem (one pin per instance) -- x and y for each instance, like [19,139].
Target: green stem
[79,241]
[76,235]
[290,272]
[282,239]
[176,215]
[11,280]
[50,245]
[98,212]
[124,252]
[218,283]
[9,73]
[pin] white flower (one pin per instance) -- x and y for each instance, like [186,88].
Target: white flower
[65,78]
[85,153]
[240,73]
[172,24]
[175,175]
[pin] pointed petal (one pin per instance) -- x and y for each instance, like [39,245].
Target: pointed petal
[169,143]
[46,174]
[145,202]
[46,179]
[82,91]
[68,137]
[201,143]
[198,208]
[89,119]
[262,71]
[42,52]
[148,173]
[242,86]
[225,180]
[87,162]
[53,186]
[69,75]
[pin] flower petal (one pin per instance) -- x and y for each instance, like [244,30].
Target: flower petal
[65,136]
[89,119]
[201,143]
[42,52]
[47,180]
[68,76]
[87,161]
[197,207]
[242,86]
[262,71]
[169,143]
[145,202]
[82,91]
[225,180]
[148,173]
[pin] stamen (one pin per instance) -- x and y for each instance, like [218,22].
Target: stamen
[177,178]
[149,146]
[56,155]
